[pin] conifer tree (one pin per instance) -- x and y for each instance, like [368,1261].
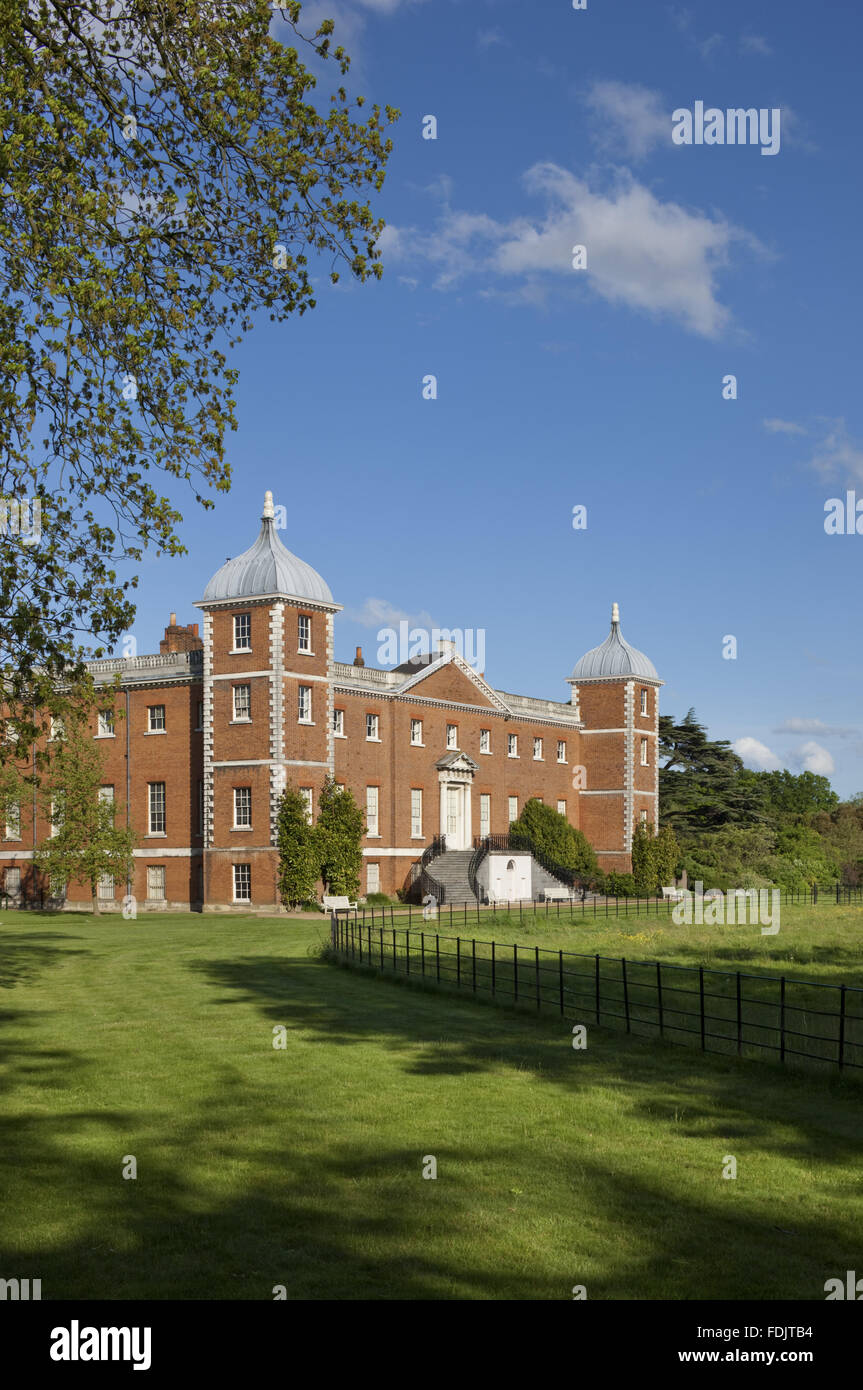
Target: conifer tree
[298,850]
[340,828]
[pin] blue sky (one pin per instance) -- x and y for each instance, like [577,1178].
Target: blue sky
[599,387]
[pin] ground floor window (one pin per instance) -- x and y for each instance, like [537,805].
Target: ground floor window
[561,808]
[12,882]
[105,887]
[485,814]
[242,883]
[373,878]
[156,883]
[513,809]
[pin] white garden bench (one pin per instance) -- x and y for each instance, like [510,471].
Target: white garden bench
[674,895]
[331,904]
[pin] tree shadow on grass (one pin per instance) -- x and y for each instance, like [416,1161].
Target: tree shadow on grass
[243,1189]
[22,958]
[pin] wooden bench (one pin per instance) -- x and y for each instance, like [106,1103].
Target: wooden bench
[331,904]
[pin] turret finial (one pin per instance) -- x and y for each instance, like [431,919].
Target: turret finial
[269,511]
[615,615]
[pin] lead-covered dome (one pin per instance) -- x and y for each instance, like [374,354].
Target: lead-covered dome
[614,658]
[267,567]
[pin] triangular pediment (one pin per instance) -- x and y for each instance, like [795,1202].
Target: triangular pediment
[456,761]
[452,680]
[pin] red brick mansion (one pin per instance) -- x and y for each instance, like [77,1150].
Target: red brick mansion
[201,738]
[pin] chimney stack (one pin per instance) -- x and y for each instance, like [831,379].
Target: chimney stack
[358,659]
[180,639]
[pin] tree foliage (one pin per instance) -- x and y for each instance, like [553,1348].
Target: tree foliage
[339,835]
[299,866]
[553,838]
[87,843]
[165,175]
[700,781]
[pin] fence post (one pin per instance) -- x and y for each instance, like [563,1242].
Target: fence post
[361,944]
[560,968]
[837,892]
[437,956]
[701,1003]
[381,932]
[515,974]
[841,1025]
[739,1017]
[625,993]
[473,963]
[597,987]
[536,949]
[423,953]
[659,996]
[782,1018]
[407,952]
[450,916]
[493,972]
[395,962]
[458,961]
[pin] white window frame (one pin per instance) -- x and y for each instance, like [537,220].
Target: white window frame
[485,814]
[644,753]
[13,821]
[537,750]
[157,878]
[242,632]
[644,702]
[304,704]
[373,877]
[561,750]
[372,810]
[642,818]
[452,736]
[9,878]
[304,634]
[238,717]
[512,808]
[339,724]
[242,876]
[373,725]
[417,733]
[512,745]
[561,808]
[416,813]
[308,795]
[105,725]
[153,716]
[153,810]
[242,808]
[485,740]
[105,888]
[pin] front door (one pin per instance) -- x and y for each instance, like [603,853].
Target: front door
[454,817]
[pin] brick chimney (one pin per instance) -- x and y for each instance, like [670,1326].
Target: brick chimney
[358,659]
[180,639]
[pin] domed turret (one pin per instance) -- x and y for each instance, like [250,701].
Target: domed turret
[267,568]
[615,659]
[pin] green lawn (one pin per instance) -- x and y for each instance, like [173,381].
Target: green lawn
[303,1166]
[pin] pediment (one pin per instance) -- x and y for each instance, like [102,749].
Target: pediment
[456,761]
[453,681]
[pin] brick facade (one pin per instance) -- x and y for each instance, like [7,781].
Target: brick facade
[243,715]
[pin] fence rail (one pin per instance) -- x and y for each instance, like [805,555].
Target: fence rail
[727,1012]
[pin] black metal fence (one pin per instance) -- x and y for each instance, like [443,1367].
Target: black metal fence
[721,1011]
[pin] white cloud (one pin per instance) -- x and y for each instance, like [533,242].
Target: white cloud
[708,46]
[816,726]
[629,119]
[492,38]
[776,426]
[812,757]
[754,43]
[756,755]
[837,455]
[379,612]
[653,256]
